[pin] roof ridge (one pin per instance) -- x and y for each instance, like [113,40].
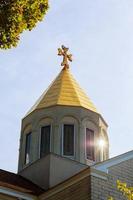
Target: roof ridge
[83,92]
[61,73]
[69,75]
[75,88]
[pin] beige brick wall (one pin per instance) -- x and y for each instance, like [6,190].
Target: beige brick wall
[101,189]
[123,171]
[98,189]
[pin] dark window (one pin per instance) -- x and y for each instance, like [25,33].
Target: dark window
[45,140]
[68,140]
[90,144]
[27,148]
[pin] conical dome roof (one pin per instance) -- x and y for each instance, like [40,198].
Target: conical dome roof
[64,91]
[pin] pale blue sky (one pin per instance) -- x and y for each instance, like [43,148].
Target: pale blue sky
[99,34]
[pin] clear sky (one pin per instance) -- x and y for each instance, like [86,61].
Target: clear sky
[100,37]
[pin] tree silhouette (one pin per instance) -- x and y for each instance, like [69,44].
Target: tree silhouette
[17,16]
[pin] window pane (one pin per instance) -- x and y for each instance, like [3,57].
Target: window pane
[68,140]
[27,148]
[45,140]
[89,144]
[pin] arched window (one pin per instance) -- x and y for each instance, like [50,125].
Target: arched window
[90,144]
[45,140]
[28,148]
[68,140]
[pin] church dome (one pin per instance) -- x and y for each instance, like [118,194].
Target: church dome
[63,121]
[64,91]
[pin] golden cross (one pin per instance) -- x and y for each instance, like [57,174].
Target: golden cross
[63,51]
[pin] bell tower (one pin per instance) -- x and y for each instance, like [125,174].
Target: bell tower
[63,122]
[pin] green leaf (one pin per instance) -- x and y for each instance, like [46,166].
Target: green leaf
[17,16]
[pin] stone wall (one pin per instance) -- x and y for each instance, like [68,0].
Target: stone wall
[56,117]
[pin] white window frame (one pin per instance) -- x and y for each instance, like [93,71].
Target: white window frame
[40,138]
[85,145]
[63,140]
[25,164]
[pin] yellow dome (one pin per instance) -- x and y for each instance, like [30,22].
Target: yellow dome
[64,91]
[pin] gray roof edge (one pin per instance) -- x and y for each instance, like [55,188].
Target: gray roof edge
[103,166]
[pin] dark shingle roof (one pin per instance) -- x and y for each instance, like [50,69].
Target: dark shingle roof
[19,183]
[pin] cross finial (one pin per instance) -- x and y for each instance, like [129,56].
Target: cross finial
[63,51]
